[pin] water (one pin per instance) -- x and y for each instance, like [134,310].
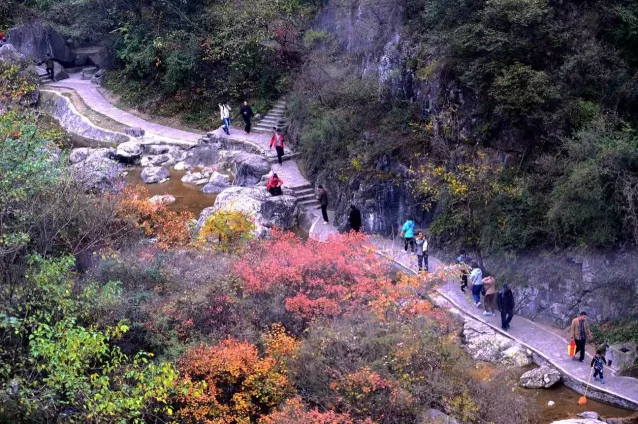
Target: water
[189,196]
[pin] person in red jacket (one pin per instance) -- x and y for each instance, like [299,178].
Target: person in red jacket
[274,185]
[277,140]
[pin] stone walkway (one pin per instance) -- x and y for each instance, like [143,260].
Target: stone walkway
[93,99]
[543,342]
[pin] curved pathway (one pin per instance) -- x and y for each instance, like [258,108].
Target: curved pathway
[546,345]
[93,99]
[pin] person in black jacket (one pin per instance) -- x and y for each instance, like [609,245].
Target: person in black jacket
[323,201]
[505,301]
[246,113]
[355,218]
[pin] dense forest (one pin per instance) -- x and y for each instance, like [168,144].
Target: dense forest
[515,122]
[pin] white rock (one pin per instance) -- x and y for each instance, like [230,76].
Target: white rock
[180,166]
[542,377]
[579,421]
[551,403]
[589,414]
[129,150]
[165,199]
[221,179]
[517,355]
[154,174]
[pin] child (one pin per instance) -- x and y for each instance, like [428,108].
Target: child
[463,260]
[598,363]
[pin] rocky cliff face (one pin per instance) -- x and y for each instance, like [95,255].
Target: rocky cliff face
[555,287]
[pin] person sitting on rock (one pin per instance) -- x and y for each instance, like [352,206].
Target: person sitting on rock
[598,362]
[274,185]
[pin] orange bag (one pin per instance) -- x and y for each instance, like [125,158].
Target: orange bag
[571,348]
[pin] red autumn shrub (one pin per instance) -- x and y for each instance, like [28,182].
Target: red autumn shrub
[295,412]
[316,279]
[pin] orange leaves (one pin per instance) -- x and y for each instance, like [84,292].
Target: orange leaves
[295,412]
[317,279]
[232,382]
[170,228]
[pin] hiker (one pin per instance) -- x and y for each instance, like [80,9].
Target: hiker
[355,218]
[407,232]
[1,38]
[464,260]
[323,201]
[277,140]
[421,251]
[274,185]
[579,333]
[50,66]
[489,299]
[505,300]
[246,113]
[598,362]
[476,278]
[224,111]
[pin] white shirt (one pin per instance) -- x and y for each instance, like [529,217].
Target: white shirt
[224,111]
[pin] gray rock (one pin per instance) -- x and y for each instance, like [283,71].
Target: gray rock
[214,188]
[8,53]
[137,132]
[485,344]
[154,174]
[156,149]
[589,414]
[579,421]
[248,168]
[98,77]
[87,73]
[202,157]
[35,40]
[517,356]
[434,416]
[267,211]
[102,56]
[155,160]
[542,377]
[79,154]
[196,178]
[129,150]
[59,73]
[217,178]
[180,166]
[97,172]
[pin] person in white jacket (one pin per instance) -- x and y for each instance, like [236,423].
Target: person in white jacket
[476,280]
[224,111]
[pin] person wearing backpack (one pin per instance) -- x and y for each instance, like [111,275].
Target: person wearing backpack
[407,232]
[224,111]
[277,140]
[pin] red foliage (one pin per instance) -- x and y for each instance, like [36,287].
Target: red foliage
[316,278]
[295,412]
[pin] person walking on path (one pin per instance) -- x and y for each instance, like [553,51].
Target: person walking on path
[476,278]
[50,66]
[278,140]
[323,201]
[598,363]
[421,251]
[247,114]
[464,260]
[489,301]
[355,218]
[407,231]
[224,111]
[274,185]
[505,301]
[580,333]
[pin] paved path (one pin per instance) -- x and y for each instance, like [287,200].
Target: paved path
[93,99]
[546,343]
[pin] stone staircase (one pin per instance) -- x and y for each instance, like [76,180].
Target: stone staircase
[306,197]
[273,119]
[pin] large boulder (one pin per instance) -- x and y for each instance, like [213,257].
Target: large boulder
[267,211]
[248,168]
[154,174]
[35,40]
[129,151]
[8,54]
[155,160]
[485,344]
[59,73]
[97,172]
[101,56]
[538,378]
[196,178]
[98,77]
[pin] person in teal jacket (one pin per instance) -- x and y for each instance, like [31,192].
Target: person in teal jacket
[407,231]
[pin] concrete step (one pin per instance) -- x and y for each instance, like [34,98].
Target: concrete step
[309,202]
[303,188]
[304,191]
[310,196]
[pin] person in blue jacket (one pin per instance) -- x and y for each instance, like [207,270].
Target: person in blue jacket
[407,231]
